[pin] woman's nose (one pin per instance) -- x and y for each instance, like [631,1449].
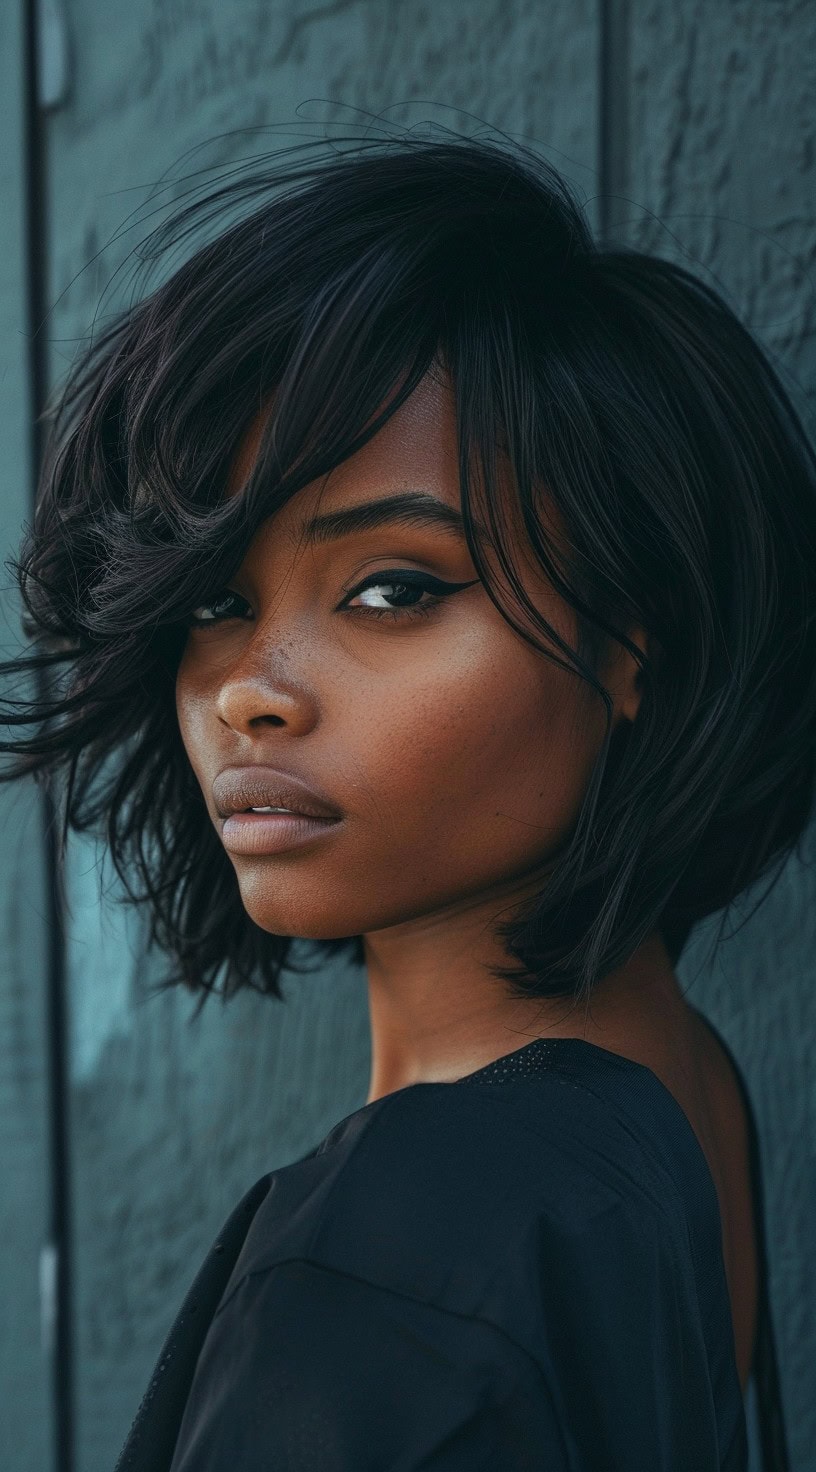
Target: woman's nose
[268,694]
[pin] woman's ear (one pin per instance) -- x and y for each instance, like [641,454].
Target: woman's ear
[624,680]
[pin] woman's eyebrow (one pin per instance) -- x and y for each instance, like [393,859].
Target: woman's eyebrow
[410,508]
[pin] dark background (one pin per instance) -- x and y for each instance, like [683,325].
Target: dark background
[126,1132]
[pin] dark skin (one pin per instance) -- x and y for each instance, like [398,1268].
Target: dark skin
[458,756]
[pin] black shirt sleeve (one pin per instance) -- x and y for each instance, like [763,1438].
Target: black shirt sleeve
[306,1369]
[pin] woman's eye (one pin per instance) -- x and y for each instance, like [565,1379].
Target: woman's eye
[223,596]
[401,594]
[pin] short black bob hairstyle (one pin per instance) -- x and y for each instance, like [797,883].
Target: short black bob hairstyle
[614,381]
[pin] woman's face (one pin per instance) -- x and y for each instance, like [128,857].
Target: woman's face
[455,754]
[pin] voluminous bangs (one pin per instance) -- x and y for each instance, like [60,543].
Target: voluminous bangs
[615,384]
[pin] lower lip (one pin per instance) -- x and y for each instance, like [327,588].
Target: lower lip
[272,833]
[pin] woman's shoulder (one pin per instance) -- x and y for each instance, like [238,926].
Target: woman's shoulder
[453,1252]
[448,1192]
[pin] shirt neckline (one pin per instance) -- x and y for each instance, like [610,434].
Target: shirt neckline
[535,1057]
[528,1058]
[532,1056]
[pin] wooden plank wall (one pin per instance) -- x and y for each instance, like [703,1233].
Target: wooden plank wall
[721,173]
[26,1442]
[701,117]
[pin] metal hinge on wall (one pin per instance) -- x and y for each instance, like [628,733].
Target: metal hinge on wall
[53,53]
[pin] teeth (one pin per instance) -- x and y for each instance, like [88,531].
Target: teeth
[270,810]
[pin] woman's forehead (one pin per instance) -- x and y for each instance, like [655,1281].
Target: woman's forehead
[415,449]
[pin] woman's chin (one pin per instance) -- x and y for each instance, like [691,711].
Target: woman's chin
[299,924]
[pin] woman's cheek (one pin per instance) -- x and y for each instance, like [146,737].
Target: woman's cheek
[461,737]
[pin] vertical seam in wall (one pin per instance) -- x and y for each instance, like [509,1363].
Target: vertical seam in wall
[613,114]
[36,254]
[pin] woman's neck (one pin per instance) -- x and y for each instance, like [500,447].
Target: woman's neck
[437,1014]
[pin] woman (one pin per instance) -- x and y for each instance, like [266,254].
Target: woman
[441,586]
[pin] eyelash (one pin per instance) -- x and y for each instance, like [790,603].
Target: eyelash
[399,577]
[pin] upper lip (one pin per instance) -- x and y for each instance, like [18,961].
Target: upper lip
[238,788]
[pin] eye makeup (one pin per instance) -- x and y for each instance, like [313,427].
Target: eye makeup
[392,583]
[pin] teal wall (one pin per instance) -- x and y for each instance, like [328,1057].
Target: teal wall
[26,1440]
[697,118]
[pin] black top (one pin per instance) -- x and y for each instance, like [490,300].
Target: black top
[519,1270]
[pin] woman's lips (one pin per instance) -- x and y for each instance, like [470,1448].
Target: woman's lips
[272,833]
[237,789]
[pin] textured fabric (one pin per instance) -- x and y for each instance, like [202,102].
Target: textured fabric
[519,1270]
